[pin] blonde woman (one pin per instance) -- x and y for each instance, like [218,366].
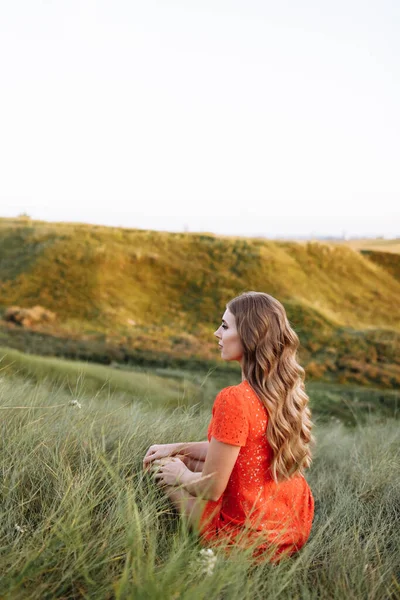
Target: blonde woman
[245,484]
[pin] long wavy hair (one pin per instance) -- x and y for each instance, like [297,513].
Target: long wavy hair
[270,366]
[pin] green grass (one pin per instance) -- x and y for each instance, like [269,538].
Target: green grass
[96,526]
[179,387]
[81,378]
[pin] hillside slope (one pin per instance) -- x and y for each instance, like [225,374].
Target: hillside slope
[389,261]
[106,276]
[167,291]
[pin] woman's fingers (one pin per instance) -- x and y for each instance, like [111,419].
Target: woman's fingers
[158,478]
[148,459]
[149,452]
[163,461]
[155,457]
[147,463]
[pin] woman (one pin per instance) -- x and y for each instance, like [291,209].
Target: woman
[245,485]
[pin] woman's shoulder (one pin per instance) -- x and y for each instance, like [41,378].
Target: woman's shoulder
[230,423]
[232,392]
[242,395]
[238,389]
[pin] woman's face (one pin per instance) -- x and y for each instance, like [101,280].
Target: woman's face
[229,341]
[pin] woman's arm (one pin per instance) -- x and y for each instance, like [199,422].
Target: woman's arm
[212,481]
[195,450]
[192,463]
[190,451]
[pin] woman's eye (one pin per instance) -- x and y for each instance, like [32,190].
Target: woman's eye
[224,326]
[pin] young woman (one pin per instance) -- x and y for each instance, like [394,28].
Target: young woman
[245,485]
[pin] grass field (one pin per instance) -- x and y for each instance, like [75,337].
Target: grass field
[177,388]
[81,378]
[80,519]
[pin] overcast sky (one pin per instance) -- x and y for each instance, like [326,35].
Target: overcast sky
[247,117]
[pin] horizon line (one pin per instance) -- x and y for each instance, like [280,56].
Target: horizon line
[340,237]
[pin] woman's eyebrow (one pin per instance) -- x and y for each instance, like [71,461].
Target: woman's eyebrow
[223,320]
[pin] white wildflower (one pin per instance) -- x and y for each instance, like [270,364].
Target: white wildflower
[19,529]
[208,560]
[75,403]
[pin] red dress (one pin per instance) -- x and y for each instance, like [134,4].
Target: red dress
[253,509]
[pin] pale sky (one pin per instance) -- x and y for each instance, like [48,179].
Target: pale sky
[241,117]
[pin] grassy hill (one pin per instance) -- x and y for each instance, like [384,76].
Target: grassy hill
[129,296]
[390,261]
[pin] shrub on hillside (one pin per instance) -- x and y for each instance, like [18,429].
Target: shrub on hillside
[316,370]
[26,317]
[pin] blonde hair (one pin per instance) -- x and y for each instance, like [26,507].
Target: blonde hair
[271,368]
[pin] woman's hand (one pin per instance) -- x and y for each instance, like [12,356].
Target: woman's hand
[158,451]
[169,471]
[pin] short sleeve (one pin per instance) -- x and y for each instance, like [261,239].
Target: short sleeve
[230,422]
